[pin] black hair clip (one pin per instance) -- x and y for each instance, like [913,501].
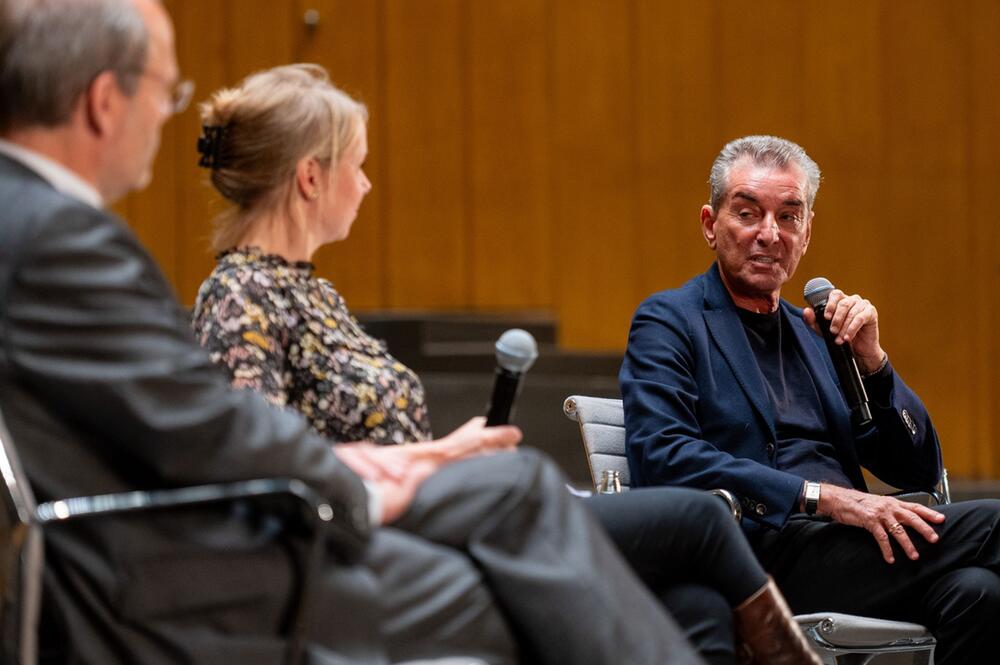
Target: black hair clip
[210,146]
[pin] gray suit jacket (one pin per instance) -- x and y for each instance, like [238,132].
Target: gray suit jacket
[104,389]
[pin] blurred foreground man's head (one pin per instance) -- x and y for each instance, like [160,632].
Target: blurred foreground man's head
[89,83]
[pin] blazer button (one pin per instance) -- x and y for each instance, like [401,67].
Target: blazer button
[761,509]
[770,450]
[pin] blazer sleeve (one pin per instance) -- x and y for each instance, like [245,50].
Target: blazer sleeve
[666,442]
[92,328]
[902,447]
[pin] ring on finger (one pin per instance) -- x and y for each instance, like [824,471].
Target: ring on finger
[896,527]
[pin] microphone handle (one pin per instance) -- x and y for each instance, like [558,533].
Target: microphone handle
[847,371]
[505,389]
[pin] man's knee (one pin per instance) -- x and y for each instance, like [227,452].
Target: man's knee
[966,595]
[708,508]
[459,498]
[525,471]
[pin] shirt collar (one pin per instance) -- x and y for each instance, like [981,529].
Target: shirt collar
[62,179]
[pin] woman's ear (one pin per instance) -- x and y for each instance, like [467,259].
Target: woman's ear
[307,178]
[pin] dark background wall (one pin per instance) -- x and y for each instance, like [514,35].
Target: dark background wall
[552,155]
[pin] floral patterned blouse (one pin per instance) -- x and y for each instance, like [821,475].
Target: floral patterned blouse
[287,334]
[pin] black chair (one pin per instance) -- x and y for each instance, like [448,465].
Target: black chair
[23,525]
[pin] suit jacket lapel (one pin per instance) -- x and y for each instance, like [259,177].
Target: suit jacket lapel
[726,329]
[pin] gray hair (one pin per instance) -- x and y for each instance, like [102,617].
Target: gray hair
[769,151]
[51,51]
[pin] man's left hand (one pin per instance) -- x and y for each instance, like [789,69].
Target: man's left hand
[885,517]
[854,321]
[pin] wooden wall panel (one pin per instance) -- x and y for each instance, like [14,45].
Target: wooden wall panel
[554,153]
[261,34]
[759,69]
[203,55]
[674,66]
[508,112]
[147,209]
[347,42]
[842,130]
[593,167]
[425,127]
[925,268]
[979,228]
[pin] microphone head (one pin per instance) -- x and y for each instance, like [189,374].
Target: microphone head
[816,291]
[516,350]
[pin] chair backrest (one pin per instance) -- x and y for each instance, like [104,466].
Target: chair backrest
[602,428]
[21,559]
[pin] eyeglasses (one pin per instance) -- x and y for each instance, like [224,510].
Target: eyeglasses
[180,95]
[180,92]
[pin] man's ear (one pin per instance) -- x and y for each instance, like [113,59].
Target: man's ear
[102,103]
[708,225]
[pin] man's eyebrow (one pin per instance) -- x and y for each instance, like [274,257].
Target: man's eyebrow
[744,195]
[796,203]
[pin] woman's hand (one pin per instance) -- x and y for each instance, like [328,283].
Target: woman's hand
[472,438]
[398,470]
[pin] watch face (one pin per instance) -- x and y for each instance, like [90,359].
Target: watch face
[812,498]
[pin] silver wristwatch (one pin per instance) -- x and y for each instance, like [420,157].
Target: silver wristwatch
[812,498]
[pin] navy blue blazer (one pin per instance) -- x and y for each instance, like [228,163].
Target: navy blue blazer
[697,414]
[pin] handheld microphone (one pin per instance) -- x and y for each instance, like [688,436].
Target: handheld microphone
[516,353]
[816,292]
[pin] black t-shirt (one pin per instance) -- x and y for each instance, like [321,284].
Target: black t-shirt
[803,446]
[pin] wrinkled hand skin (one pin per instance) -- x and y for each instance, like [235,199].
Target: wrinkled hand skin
[398,471]
[879,515]
[854,321]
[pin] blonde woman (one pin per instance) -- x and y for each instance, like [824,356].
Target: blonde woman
[287,149]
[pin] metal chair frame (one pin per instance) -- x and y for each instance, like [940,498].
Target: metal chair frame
[25,522]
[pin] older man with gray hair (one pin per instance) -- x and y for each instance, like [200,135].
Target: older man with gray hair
[727,385]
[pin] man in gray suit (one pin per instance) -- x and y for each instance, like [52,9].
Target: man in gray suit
[104,389]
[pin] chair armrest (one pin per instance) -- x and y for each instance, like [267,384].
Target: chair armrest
[926,498]
[735,509]
[936,496]
[125,502]
[843,631]
[317,514]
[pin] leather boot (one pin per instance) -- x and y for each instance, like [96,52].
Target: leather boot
[768,632]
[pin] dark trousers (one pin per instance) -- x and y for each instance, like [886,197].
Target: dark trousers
[495,559]
[687,549]
[953,588]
